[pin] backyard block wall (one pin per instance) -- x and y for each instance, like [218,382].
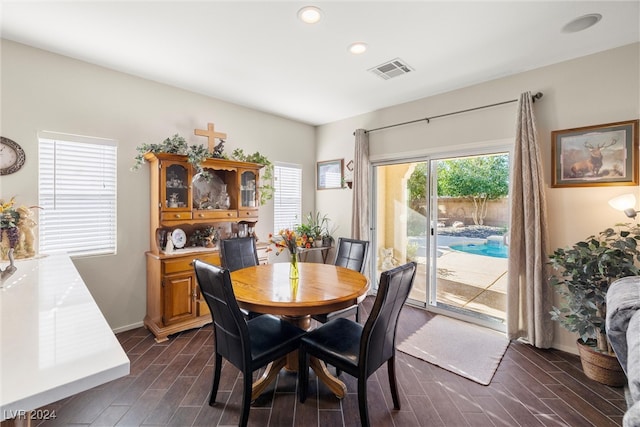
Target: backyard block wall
[451,210]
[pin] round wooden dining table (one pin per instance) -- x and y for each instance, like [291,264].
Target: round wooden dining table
[320,288]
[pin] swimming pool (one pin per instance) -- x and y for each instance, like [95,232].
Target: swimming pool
[496,251]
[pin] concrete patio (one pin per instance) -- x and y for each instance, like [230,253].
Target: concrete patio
[473,282]
[467,281]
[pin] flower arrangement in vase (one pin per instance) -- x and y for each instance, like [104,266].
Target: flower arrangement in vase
[287,239]
[16,230]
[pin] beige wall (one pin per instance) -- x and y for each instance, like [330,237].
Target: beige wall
[394,212]
[596,89]
[44,91]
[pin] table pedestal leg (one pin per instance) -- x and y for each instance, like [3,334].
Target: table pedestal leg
[270,374]
[302,322]
[335,385]
[290,363]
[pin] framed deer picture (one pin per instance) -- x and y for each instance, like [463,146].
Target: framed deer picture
[595,155]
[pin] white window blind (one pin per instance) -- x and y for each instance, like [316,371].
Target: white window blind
[77,194]
[287,197]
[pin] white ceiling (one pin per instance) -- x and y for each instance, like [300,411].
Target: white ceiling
[259,55]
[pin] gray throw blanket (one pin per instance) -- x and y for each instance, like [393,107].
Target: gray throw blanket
[623,331]
[632,416]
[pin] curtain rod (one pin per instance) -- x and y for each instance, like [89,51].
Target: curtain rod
[538,95]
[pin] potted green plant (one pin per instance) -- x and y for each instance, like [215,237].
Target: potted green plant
[317,226]
[583,274]
[304,230]
[327,238]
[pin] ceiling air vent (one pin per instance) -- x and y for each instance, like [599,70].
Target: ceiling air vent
[394,68]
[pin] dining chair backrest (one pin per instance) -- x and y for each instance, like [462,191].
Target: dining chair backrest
[247,345]
[238,253]
[361,350]
[379,333]
[352,254]
[231,334]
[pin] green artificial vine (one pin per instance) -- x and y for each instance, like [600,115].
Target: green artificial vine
[197,154]
[174,145]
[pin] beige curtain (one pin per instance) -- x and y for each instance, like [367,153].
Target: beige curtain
[361,179]
[529,297]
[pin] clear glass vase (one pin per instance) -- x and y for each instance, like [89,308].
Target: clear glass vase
[294,287]
[293,269]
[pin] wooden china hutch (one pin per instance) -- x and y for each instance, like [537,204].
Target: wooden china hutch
[224,199]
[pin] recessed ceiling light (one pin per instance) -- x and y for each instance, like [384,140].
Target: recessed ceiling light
[310,14]
[357,48]
[582,23]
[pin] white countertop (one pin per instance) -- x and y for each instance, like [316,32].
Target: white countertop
[54,340]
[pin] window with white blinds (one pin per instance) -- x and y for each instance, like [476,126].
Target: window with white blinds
[287,197]
[77,194]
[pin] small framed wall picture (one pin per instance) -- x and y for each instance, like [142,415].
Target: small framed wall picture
[329,174]
[591,156]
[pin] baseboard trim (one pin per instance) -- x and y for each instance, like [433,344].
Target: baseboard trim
[567,349]
[128,327]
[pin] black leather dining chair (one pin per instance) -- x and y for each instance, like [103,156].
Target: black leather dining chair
[352,254]
[247,345]
[239,253]
[360,350]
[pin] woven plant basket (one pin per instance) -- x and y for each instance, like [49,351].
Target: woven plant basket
[601,367]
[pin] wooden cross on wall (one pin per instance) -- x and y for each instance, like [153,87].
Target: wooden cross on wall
[211,135]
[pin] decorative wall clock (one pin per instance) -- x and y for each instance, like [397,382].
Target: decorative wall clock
[12,156]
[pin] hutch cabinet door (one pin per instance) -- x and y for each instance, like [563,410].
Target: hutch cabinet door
[249,202]
[248,189]
[179,293]
[175,190]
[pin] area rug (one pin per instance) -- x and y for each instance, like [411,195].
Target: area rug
[465,349]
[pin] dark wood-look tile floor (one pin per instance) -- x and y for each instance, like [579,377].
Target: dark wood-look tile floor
[170,382]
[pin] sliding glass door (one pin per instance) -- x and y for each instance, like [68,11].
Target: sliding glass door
[450,215]
[400,217]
